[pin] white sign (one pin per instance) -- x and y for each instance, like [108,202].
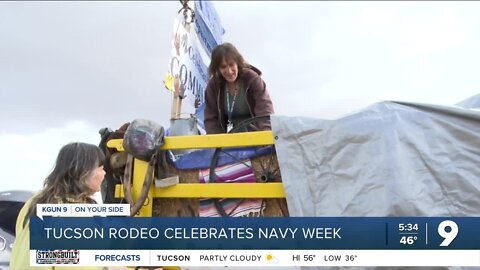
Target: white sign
[192,44]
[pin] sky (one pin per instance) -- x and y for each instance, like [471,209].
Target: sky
[68,69]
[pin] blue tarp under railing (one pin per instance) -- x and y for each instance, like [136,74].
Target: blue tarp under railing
[201,159]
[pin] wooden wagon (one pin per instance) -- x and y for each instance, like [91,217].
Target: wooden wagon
[182,199]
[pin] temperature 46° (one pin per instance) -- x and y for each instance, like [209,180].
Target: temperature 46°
[408,240]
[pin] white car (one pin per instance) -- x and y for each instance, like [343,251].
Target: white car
[10,204]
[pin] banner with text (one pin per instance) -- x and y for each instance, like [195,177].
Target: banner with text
[192,45]
[306,233]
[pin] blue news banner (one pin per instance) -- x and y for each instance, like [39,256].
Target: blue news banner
[294,233]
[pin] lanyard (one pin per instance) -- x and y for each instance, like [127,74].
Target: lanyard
[230,109]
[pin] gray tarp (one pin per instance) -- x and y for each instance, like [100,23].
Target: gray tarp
[470,103]
[390,159]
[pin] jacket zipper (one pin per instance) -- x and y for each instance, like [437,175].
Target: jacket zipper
[220,116]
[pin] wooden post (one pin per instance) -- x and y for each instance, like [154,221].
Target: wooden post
[177,101]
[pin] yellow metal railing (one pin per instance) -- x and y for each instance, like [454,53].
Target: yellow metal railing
[194,190]
[209,141]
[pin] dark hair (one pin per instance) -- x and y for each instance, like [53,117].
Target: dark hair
[67,183]
[225,51]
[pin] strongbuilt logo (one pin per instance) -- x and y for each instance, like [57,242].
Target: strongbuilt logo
[71,256]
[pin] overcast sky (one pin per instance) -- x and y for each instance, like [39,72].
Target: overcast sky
[68,69]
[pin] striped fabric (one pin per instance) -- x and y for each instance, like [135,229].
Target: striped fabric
[240,172]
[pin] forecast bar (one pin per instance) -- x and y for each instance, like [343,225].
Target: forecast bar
[257,258]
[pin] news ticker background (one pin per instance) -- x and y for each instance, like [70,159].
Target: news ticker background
[294,241]
[268,258]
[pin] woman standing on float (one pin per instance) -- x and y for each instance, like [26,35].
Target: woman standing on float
[235,92]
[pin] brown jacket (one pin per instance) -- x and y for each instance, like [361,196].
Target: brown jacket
[258,100]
